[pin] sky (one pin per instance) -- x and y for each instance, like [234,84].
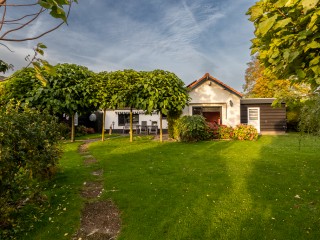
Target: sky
[187,37]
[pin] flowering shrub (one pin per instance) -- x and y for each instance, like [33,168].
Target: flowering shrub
[225,132]
[245,132]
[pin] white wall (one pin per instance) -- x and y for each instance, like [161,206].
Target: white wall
[215,95]
[112,116]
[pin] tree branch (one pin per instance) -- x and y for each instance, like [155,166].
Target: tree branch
[6,47]
[25,24]
[19,19]
[3,17]
[17,5]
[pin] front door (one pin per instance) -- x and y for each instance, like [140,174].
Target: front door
[212,117]
[254,117]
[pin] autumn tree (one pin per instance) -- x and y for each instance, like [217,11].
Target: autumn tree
[287,41]
[260,85]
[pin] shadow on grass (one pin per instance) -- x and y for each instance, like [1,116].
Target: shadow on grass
[266,189]
[165,191]
[284,186]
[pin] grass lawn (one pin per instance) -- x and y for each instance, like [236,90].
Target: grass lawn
[267,189]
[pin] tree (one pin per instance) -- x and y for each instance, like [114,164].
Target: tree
[163,92]
[107,88]
[20,87]
[69,91]
[260,85]
[10,25]
[287,39]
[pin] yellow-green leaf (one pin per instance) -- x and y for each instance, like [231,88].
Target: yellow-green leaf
[309,4]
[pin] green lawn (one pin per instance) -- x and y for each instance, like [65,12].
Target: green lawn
[266,189]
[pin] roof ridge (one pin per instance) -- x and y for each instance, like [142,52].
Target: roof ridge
[207,76]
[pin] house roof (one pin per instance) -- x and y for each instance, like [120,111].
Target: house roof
[208,77]
[257,100]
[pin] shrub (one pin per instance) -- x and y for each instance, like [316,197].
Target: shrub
[245,132]
[192,128]
[29,152]
[225,132]
[172,119]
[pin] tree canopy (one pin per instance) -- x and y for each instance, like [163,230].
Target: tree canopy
[287,38]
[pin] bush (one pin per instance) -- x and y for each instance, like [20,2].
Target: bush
[245,132]
[172,119]
[225,132]
[192,129]
[29,152]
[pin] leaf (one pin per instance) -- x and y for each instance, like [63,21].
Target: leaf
[266,25]
[315,61]
[301,74]
[280,3]
[308,4]
[312,45]
[255,11]
[283,23]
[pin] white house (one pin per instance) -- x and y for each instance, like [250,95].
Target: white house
[218,103]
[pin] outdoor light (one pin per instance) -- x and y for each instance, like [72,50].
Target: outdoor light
[210,83]
[231,103]
[112,124]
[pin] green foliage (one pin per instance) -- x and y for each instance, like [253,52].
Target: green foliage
[5,66]
[56,7]
[192,128]
[162,91]
[172,119]
[29,152]
[287,39]
[245,132]
[20,87]
[310,116]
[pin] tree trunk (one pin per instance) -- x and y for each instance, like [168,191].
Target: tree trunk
[72,127]
[160,126]
[103,124]
[131,135]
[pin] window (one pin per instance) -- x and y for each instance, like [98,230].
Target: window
[124,118]
[197,111]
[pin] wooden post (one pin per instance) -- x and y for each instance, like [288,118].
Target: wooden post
[160,126]
[103,124]
[131,134]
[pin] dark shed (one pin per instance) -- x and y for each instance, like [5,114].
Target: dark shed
[270,119]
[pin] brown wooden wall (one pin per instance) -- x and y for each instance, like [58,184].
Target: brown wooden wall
[271,119]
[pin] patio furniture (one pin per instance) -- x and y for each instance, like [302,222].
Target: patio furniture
[144,127]
[153,128]
[126,127]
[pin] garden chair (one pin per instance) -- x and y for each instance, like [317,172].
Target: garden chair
[154,127]
[144,127]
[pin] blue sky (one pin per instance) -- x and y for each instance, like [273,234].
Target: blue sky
[186,37]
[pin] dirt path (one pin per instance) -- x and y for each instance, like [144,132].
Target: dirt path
[100,220]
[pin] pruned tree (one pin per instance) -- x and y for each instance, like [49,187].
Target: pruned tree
[106,89]
[69,91]
[163,92]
